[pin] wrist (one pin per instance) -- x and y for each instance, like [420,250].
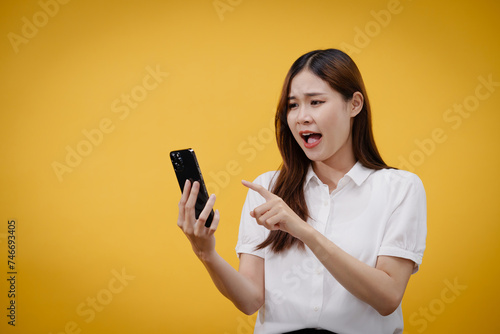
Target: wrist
[206,257]
[307,233]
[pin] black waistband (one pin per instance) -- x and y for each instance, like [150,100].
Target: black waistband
[309,331]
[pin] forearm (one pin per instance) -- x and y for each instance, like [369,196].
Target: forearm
[238,288]
[371,285]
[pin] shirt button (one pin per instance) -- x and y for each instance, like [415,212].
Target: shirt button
[316,309]
[318,271]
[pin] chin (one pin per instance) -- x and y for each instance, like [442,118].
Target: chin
[320,156]
[314,157]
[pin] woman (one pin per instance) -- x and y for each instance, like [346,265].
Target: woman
[329,242]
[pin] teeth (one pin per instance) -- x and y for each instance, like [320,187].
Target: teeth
[308,135]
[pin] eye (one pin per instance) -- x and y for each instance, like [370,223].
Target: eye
[316,102]
[292,106]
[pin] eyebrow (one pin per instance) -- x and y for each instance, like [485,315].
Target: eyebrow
[306,94]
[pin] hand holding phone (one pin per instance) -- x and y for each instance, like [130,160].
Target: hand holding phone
[186,168]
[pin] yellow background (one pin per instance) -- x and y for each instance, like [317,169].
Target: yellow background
[116,210]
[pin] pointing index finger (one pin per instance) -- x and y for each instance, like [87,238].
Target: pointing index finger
[258,188]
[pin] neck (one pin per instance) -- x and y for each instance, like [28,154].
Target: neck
[332,170]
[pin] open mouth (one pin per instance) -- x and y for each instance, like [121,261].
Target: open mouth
[311,139]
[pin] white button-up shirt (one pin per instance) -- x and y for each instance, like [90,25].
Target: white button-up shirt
[370,213]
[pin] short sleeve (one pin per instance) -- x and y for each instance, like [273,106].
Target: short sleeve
[250,233]
[406,230]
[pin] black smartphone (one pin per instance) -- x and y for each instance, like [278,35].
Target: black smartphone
[186,167]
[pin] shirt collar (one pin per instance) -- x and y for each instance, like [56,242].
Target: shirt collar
[358,173]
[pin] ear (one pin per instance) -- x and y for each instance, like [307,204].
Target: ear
[356,103]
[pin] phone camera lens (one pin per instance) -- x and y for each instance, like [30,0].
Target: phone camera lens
[177,161]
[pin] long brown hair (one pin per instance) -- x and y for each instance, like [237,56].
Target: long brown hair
[341,73]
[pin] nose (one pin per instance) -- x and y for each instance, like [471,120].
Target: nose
[304,115]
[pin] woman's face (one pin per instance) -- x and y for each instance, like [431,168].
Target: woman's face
[320,118]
